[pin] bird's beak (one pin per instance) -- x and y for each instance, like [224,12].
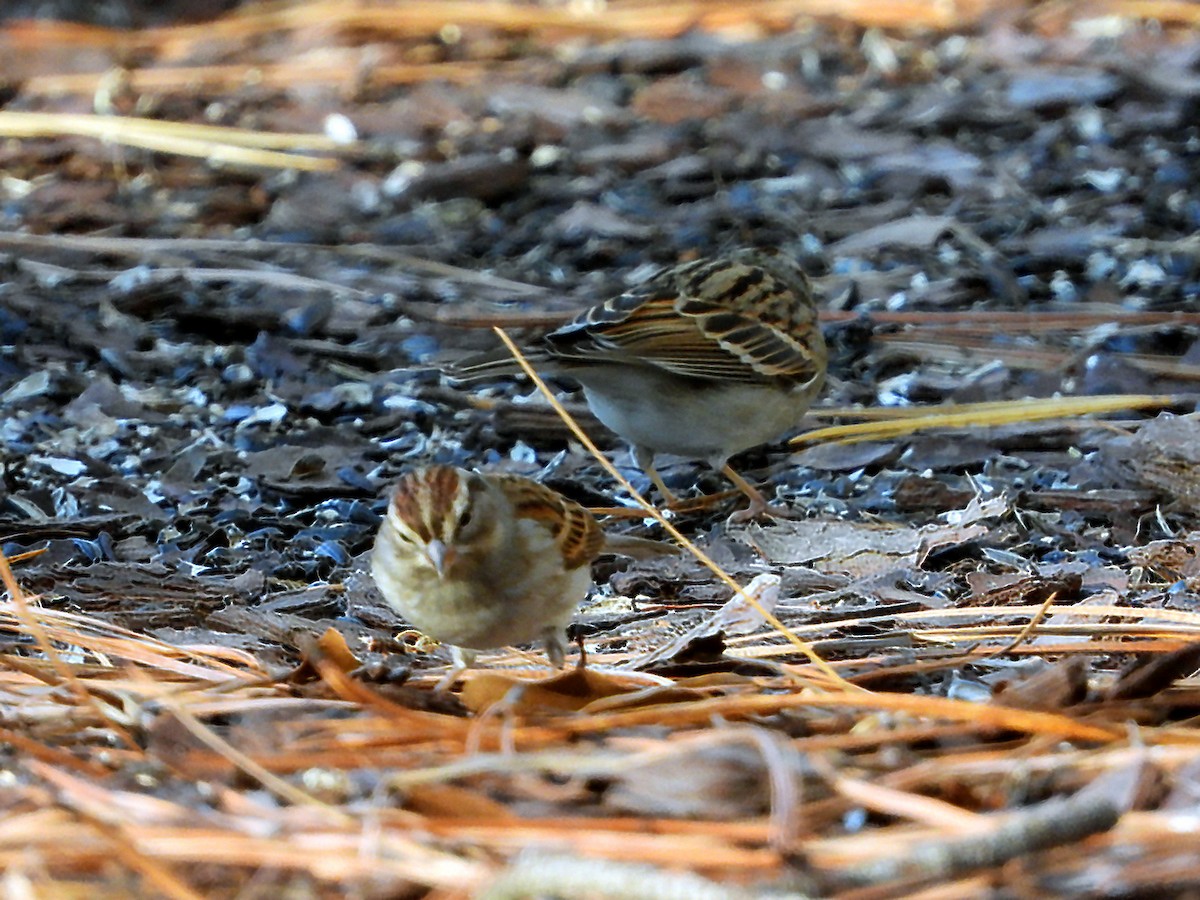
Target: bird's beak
[441,556]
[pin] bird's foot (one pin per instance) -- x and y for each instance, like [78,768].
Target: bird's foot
[759,506]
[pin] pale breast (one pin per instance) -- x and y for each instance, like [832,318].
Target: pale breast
[509,600]
[699,420]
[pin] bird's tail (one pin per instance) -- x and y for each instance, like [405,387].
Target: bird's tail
[637,547]
[491,365]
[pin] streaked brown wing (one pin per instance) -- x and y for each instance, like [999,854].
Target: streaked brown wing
[726,319]
[575,530]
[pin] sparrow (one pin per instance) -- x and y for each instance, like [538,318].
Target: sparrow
[703,360]
[479,561]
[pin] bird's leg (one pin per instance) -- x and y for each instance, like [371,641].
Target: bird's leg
[644,457]
[759,506]
[552,640]
[758,503]
[582,664]
[461,660]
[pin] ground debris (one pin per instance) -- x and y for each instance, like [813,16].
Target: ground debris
[238,250]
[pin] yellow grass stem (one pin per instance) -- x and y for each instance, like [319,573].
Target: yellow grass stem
[1005,412]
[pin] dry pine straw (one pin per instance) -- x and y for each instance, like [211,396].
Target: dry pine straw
[134,764]
[94,705]
[123,769]
[335,24]
[97,792]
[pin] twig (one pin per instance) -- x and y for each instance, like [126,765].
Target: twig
[539,875]
[1050,824]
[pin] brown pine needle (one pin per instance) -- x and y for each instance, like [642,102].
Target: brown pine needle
[62,670]
[282,789]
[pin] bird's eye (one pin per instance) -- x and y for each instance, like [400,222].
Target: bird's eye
[465,519]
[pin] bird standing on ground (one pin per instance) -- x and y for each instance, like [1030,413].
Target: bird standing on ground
[480,561]
[703,360]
